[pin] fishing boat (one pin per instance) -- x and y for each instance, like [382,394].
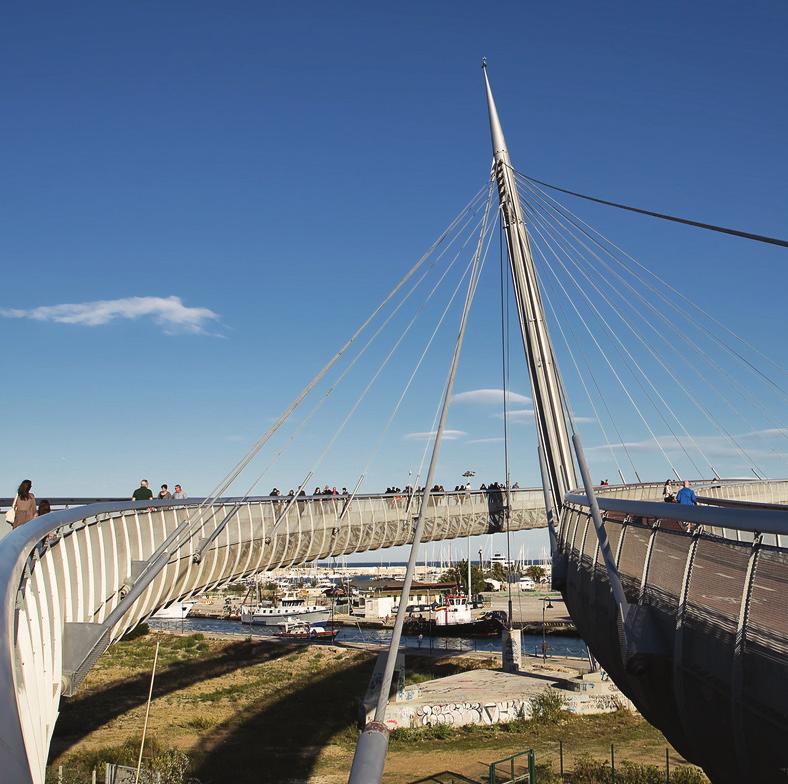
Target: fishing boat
[453,618]
[301,631]
[289,608]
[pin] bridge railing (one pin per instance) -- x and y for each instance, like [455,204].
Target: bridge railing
[708,585]
[70,581]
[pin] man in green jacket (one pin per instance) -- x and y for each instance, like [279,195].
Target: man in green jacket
[143,492]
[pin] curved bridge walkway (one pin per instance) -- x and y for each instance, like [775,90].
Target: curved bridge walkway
[705,655]
[74,581]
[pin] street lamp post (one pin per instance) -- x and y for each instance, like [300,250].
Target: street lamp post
[546,605]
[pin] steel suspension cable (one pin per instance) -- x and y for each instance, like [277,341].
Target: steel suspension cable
[199,521]
[661,215]
[559,322]
[302,425]
[622,349]
[377,373]
[607,361]
[590,231]
[704,356]
[258,445]
[625,349]
[369,758]
[504,383]
[310,415]
[419,362]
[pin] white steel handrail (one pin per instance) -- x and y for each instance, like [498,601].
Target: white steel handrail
[70,581]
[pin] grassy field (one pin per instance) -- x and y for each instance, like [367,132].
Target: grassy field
[268,711]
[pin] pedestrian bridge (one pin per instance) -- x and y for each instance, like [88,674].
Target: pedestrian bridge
[75,580]
[706,642]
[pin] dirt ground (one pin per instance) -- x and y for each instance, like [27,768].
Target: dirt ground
[268,711]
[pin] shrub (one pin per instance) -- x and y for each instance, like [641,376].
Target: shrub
[546,775]
[687,775]
[588,771]
[549,707]
[638,773]
[160,766]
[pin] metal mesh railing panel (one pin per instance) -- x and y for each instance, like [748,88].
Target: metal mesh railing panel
[768,620]
[666,569]
[633,555]
[717,583]
[591,543]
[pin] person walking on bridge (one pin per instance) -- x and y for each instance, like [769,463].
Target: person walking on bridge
[143,492]
[24,506]
[686,495]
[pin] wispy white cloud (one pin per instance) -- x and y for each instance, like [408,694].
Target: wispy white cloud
[448,435]
[517,415]
[167,312]
[489,396]
[496,440]
[712,447]
[769,432]
[584,420]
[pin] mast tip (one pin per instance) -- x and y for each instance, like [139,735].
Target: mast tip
[484,62]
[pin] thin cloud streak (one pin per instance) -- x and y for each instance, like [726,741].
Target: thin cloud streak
[712,446]
[518,415]
[490,396]
[448,435]
[497,440]
[169,313]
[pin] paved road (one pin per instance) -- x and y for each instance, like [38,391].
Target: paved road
[527,606]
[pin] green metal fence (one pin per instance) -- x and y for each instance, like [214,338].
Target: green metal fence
[516,768]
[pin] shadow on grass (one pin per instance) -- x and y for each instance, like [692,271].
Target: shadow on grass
[83,714]
[282,740]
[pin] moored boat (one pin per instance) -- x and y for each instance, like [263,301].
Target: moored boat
[289,608]
[174,612]
[301,631]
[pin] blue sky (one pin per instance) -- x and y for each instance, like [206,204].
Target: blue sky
[266,173]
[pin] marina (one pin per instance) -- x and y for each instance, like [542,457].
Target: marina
[379,639]
[464,448]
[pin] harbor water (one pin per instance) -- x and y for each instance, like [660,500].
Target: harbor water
[531,643]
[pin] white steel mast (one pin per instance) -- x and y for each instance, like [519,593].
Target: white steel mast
[549,412]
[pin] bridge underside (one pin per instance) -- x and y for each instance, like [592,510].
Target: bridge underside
[65,576]
[712,673]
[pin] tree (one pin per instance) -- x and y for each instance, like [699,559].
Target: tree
[498,572]
[459,576]
[536,573]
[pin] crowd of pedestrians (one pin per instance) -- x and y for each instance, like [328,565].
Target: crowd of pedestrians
[144,493]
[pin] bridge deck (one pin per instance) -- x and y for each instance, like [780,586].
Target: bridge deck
[69,578]
[713,611]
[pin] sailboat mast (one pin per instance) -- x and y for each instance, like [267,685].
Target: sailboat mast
[545,382]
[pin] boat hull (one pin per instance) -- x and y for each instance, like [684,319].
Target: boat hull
[175,612]
[278,619]
[483,627]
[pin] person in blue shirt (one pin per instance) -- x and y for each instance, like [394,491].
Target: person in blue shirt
[686,495]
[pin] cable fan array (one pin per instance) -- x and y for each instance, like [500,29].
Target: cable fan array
[649,359]
[425,295]
[650,362]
